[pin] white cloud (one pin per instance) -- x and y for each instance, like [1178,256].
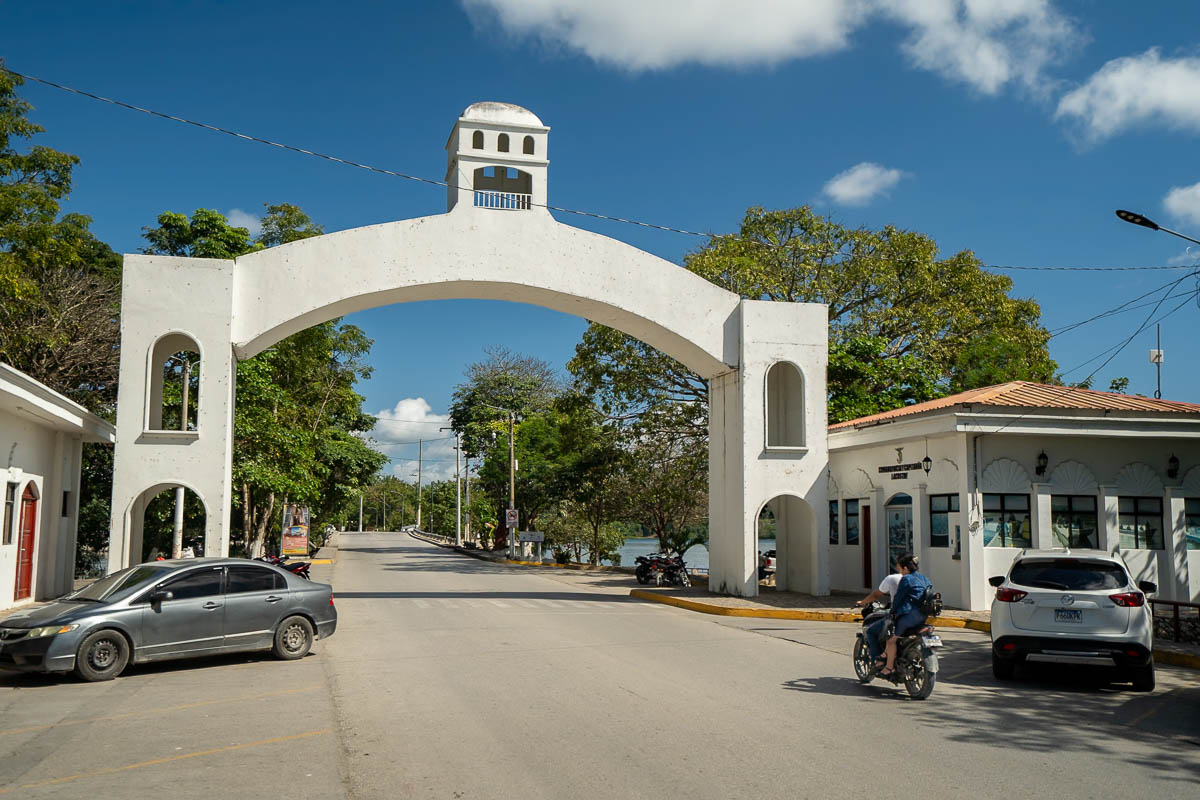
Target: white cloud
[1134,90]
[861,184]
[1188,258]
[659,34]
[244,219]
[1183,203]
[398,431]
[983,43]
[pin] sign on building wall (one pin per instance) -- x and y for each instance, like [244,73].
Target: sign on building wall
[294,541]
[899,471]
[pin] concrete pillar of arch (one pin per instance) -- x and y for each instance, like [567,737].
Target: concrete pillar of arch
[166,303]
[744,471]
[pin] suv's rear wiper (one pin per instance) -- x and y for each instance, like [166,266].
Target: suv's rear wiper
[1048,585]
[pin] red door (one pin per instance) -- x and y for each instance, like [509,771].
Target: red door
[29,505]
[866,546]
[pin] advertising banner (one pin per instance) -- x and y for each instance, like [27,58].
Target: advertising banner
[295,530]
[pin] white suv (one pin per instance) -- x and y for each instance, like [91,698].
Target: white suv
[1073,607]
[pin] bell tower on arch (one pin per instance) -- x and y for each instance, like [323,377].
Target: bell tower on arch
[496,158]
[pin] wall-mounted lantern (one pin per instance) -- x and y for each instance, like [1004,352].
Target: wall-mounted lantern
[1172,466]
[1042,461]
[926,464]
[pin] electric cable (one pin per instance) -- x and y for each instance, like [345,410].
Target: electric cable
[444,184]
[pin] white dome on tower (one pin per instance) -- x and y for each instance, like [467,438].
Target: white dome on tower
[503,113]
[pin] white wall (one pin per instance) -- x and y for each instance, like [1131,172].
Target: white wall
[963,582]
[50,459]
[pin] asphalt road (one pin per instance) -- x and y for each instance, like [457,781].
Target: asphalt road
[451,677]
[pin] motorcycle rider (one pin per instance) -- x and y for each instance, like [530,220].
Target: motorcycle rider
[887,586]
[906,612]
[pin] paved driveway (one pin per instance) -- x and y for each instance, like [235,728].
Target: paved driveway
[451,677]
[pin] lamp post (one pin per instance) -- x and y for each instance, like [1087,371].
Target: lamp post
[1134,218]
[457,487]
[512,475]
[177,529]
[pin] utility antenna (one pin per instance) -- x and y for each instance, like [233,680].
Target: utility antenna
[1156,358]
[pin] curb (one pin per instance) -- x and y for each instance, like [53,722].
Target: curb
[1171,657]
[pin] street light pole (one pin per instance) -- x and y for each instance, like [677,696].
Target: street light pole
[1134,218]
[457,487]
[420,449]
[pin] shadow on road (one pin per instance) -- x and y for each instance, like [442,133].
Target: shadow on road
[21,680]
[570,597]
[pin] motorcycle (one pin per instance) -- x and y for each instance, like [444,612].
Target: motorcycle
[658,569]
[916,663]
[295,567]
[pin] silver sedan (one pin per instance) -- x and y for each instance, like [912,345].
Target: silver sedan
[170,609]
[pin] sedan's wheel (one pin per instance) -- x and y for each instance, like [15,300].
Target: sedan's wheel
[102,656]
[293,638]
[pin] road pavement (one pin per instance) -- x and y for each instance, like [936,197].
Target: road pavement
[451,677]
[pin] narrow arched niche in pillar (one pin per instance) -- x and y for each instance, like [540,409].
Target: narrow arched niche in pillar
[528,146]
[502,143]
[784,411]
[477,140]
[794,525]
[173,382]
[152,522]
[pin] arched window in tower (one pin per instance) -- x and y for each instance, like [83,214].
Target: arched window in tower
[173,402]
[502,143]
[528,146]
[477,140]
[785,406]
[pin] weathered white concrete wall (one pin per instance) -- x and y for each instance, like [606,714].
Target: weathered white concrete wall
[169,302]
[745,474]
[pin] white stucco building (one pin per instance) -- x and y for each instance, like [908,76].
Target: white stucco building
[41,444]
[1012,466]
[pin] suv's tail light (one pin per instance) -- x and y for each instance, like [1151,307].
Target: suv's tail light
[1128,599]
[331,598]
[1006,595]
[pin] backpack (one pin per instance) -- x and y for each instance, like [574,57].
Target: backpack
[931,602]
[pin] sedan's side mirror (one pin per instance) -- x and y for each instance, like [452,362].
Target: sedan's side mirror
[158,595]
[996,580]
[1149,587]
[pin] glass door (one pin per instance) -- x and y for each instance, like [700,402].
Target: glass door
[899,527]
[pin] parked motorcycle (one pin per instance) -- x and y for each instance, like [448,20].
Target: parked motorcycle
[658,569]
[295,567]
[916,664]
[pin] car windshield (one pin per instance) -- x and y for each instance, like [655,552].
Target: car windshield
[108,588]
[1068,574]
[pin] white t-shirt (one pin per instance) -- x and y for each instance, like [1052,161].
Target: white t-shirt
[890,584]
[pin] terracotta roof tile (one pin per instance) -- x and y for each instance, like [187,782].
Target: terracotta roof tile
[1023,394]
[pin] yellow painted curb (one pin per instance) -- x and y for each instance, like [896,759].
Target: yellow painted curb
[322,561]
[781,613]
[1177,659]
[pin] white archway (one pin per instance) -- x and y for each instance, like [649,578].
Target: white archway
[491,244]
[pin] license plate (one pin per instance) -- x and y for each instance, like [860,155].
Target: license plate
[1068,615]
[932,641]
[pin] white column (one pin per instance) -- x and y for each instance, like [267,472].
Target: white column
[921,521]
[975,590]
[1109,521]
[1039,511]
[1175,540]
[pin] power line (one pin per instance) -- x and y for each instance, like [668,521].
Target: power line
[1122,308]
[444,184]
[326,156]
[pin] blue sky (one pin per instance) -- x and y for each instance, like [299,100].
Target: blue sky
[1009,128]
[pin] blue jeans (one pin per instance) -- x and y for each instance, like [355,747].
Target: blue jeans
[874,636]
[908,622]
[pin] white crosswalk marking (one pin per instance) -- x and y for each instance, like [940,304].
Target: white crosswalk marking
[581,605]
[420,603]
[499,603]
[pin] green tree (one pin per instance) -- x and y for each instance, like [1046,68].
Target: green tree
[207,234]
[59,285]
[955,322]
